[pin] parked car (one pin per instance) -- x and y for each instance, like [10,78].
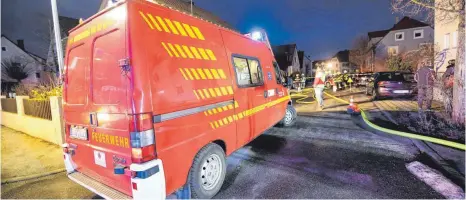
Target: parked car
[391,84]
[361,79]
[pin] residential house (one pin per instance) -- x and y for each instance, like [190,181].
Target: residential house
[340,63]
[405,36]
[446,38]
[305,64]
[287,57]
[66,24]
[316,63]
[15,53]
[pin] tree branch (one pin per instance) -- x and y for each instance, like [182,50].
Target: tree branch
[436,8]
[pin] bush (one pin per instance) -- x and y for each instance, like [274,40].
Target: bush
[396,63]
[40,92]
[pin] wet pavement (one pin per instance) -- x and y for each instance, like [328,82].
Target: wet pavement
[325,155]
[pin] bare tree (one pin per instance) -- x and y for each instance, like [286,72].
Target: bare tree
[443,11]
[360,52]
[16,68]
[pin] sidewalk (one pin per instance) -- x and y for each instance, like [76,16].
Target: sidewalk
[24,156]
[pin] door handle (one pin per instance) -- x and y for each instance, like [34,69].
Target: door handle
[93,119]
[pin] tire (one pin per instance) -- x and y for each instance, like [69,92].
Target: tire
[327,85]
[290,117]
[203,172]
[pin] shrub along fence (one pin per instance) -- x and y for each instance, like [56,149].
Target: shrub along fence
[9,105]
[37,108]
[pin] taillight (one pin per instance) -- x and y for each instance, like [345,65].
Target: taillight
[381,83]
[142,138]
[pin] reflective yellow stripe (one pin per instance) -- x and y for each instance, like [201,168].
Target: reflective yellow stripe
[173,50]
[225,108]
[230,106]
[225,121]
[186,49]
[236,104]
[224,90]
[215,111]
[207,72]
[174,31]
[145,19]
[198,33]
[235,117]
[204,55]
[221,73]
[212,125]
[220,122]
[195,73]
[162,24]
[219,110]
[166,49]
[212,92]
[214,72]
[210,54]
[188,73]
[196,54]
[240,115]
[184,75]
[195,94]
[199,92]
[206,93]
[189,31]
[180,28]
[205,113]
[230,90]
[180,50]
[209,111]
[154,22]
[230,119]
[218,92]
[216,124]
[201,73]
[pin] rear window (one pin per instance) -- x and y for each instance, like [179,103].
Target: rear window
[393,77]
[75,76]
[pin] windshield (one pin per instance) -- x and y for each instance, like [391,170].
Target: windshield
[396,77]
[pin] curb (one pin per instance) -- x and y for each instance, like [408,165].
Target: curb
[34,176]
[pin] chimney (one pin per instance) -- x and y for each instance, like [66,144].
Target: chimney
[20,44]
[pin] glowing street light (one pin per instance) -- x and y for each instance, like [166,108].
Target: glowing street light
[329,65]
[256,35]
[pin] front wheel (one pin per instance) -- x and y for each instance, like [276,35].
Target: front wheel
[374,95]
[290,117]
[207,172]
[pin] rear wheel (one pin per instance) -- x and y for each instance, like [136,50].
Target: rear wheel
[290,117]
[374,95]
[207,172]
[327,85]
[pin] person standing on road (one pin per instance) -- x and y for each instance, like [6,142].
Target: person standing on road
[290,82]
[319,84]
[425,77]
[447,86]
[303,81]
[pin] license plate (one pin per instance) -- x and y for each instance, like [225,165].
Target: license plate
[78,133]
[401,91]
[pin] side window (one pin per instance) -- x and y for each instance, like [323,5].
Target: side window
[277,72]
[248,71]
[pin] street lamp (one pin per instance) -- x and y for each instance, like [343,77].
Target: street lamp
[58,46]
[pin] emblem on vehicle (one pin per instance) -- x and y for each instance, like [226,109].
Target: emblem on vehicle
[269,76]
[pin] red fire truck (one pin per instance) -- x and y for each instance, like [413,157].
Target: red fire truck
[155,99]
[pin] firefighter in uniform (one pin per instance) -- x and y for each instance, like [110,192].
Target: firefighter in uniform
[425,77]
[319,84]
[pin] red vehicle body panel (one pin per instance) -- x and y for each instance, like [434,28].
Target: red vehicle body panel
[177,62]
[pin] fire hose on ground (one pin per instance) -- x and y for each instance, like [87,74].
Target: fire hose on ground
[305,94]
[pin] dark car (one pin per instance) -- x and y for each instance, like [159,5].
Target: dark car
[391,84]
[362,79]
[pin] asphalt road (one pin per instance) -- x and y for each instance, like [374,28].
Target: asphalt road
[325,155]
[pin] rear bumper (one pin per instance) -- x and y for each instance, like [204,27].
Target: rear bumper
[96,187]
[384,92]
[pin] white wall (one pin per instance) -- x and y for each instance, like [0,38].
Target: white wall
[407,44]
[441,29]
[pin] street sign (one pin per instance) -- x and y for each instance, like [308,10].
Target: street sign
[350,80]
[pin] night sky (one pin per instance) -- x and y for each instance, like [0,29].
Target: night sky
[319,27]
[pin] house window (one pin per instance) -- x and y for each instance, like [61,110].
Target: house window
[248,71]
[3,48]
[37,75]
[418,34]
[399,36]
[393,50]
[454,42]
[446,41]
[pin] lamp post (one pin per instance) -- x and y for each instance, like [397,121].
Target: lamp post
[58,46]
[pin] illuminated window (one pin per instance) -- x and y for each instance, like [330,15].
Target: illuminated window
[446,41]
[392,51]
[248,71]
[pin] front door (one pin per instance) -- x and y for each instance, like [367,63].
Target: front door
[250,96]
